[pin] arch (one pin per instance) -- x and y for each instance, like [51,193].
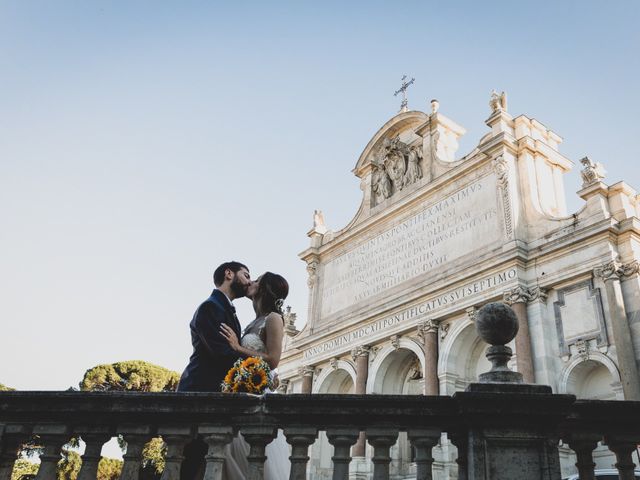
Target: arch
[400,122]
[334,380]
[390,357]
[581,368]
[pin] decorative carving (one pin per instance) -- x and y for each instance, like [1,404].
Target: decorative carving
[395,341]
[395,166]
[318,222]
[289,318]
[498,102]
[427,326]
[444,330]
[592,172]
[312,270]
[415,371]
[306,371]
[609,271]
[472,312]
[582,349]
[333,363]
[360,351]
[522,294]
[501,168]
[629,269]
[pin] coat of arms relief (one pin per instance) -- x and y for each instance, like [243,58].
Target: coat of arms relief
[396,166]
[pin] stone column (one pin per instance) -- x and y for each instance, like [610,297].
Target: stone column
[518,298]
[428,331]
[423,440]
[609,275]
[136,440]
[361,357]
[216,439]
[630,284]
[342,440]
[382,439]
[584,444]
[175,438]
[92,453]
[299,438]
[258,437]
[307,378]
[623,447]
[52,437]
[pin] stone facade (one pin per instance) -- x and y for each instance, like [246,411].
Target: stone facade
[393,295]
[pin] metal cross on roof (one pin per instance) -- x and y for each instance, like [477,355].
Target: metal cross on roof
[403,90]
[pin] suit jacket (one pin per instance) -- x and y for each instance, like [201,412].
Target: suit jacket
[212,356]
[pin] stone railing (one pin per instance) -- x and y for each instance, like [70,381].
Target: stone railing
[499,435]
[502,428]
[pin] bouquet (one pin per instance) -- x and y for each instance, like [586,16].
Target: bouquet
[251,375]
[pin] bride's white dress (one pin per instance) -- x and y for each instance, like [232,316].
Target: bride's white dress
[277,465]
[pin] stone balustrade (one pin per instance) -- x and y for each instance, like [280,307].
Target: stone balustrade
[511,424]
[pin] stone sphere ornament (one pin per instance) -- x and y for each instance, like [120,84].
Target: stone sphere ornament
[497,323]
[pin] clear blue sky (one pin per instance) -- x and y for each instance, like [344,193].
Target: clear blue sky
[143,143]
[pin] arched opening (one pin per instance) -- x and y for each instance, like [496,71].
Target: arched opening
[591,379]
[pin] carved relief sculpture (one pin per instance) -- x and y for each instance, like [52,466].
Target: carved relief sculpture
[592,172]
[498,102]
[396,166]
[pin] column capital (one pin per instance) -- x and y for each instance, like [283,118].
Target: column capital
[360,351]
[306,371]
[609,271]
[522,294]
[427,326]
[630,269]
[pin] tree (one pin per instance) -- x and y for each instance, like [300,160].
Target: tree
[24,468]
[4,388]
[132,375]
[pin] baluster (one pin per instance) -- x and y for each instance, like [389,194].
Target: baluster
[91,457]
[10,442]
[216,439]
[423,440]
[258,437]
[623,446]
[136,438]
[52,438]
[300,438]
[460,441]
[342,440]
[175,438]
[382,439]
[583,445]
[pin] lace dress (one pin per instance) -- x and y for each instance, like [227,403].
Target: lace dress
[277,465]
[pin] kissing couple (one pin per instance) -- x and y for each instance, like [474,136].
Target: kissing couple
[218,343]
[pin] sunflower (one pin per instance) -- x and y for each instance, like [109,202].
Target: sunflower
[259,380]
[231,375]
[251,362]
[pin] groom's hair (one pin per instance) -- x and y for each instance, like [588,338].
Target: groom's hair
[218,275]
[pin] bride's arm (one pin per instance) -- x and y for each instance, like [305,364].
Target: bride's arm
[274,329]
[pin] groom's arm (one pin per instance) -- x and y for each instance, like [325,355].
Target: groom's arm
[207,325]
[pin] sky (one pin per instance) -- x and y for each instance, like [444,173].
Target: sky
[144,143]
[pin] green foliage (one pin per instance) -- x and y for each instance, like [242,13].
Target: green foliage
[23,467]
[132,375]
[153,455]
[109,468]
[4,388]
[69,466]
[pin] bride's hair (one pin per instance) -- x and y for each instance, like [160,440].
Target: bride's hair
[272,290]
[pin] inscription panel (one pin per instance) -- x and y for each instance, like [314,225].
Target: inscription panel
[452,227]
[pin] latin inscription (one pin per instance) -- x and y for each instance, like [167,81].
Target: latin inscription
[452,227]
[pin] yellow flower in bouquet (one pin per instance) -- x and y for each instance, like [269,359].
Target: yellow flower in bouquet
[249,375]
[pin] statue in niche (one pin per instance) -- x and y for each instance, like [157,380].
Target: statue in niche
[415,371]
[396,166]
[414,171]
[498,102]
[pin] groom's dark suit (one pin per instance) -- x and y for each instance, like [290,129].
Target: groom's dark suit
[212,356]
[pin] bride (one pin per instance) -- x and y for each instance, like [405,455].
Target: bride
[261,338]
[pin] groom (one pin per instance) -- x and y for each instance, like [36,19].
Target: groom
[212,356]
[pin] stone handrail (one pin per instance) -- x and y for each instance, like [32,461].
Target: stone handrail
[510,420]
